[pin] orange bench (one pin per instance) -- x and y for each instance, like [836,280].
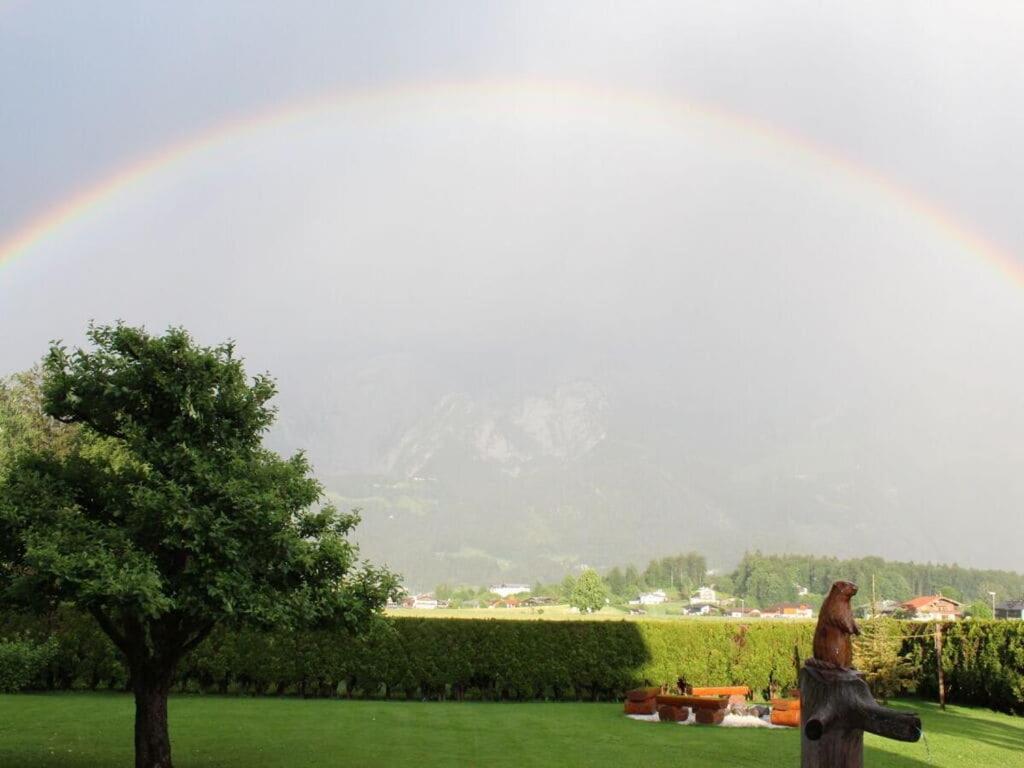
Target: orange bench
[673,714]
[737,694]
[710,716]
[723,690]
[694,702]
[786,712]
[641,701]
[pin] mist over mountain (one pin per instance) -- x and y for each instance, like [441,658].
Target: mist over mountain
[523,483]
[585,299]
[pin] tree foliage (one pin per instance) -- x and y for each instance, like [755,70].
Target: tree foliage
[589,593]
[879,654]
[773,578]
[158,510]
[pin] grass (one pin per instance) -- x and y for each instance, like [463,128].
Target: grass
[92,730]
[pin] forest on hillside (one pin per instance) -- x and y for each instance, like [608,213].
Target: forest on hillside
[762,580]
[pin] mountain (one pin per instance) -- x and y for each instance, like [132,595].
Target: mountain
[528,486]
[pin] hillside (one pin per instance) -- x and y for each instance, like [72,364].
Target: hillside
[526,487]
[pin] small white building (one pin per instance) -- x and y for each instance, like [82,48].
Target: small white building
[426,602]
[507,590]
[705,595]
[700,609]
[657,597]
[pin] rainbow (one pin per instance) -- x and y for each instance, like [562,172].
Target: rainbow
[51,223]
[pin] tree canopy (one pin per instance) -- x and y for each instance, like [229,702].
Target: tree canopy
[589,592]
[157,509]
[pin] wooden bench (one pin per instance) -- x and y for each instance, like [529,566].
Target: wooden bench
[641,701]
[695,702]
[669,713]
[785,712]
[722,690]
[737,694]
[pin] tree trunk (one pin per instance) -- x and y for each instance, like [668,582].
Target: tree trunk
[836,708]
[152,741]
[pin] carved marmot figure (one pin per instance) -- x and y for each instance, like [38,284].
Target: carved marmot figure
[832,645]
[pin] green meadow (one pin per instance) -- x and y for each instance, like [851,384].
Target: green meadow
[83,730]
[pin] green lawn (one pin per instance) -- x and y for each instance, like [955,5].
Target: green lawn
[79,730]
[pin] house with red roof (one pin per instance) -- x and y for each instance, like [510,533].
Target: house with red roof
[789,611]
[933,608]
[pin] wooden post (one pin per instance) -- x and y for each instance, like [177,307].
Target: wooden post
[836,708]
[938,664]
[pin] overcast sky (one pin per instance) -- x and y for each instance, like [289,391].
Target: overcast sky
[556,214]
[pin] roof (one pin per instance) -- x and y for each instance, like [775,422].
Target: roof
[793,606]
[920,602]
[1011,605]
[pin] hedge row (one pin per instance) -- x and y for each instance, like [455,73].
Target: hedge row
[439,658]
[506,659]
[983,662]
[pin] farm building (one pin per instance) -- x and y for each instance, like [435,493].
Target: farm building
[1010,609]
[933,608]
[704,595]
[657,597]
[789,611]
[425,601]
[507,590]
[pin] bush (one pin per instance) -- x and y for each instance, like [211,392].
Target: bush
[22,661]
[982,662]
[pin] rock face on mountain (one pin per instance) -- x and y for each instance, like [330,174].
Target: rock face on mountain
[526,487]
[512,438]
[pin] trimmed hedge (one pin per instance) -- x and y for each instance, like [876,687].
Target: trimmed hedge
[503,659]
[983,661]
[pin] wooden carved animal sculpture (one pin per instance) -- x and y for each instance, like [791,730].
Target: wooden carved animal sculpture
[832,638]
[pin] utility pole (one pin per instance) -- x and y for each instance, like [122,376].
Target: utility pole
[938,664]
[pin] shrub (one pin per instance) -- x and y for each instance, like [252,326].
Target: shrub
[982,662]
[22,661]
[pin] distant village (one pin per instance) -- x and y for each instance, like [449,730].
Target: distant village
[706,602]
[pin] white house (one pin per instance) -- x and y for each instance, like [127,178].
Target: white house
[507,590]
[656,597]
[428,602]
[705,595]
[703,609]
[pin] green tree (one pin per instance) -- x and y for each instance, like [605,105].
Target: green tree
[566,588]
[165,515]
[616,582]
[979,609]
[23,422]
[443,591]
[634,584]
[878,654]
[590,593]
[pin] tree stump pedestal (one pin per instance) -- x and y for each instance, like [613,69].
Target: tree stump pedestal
[836,709]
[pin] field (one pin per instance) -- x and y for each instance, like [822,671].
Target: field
[670,611]
[94,730]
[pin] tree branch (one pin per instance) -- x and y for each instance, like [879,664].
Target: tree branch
[118,638]
[198,638]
